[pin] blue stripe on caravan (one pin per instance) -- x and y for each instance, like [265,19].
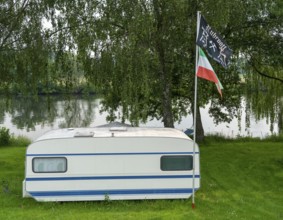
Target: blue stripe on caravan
[112,177]
[110,192]
[109,154]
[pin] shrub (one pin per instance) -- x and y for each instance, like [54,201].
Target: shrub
[20,141]
[275,138]
[5,136]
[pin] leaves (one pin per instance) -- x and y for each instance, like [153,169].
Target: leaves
[140,54]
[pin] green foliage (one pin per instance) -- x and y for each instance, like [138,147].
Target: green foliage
[20,141]
[6,139]
[275,138]
[238,181]
[5,136]
[218,138]
[80,88]
[264,99]
[140,54]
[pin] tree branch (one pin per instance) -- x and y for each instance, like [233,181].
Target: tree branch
[264,74]
[15,22]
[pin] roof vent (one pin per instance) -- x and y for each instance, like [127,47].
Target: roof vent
[118,129]
[84,134]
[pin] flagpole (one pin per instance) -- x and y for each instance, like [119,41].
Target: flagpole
[195,112]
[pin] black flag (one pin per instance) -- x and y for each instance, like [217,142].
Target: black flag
[214,45]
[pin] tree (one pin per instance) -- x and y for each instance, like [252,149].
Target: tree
[143,38]
[30,53]
[160,51]
[140,53]
[23,47]
[258,37]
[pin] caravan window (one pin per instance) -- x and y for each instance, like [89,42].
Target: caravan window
[177,163]
[49,164]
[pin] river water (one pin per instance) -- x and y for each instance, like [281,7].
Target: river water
[32,117]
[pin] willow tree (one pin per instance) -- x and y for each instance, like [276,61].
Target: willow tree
[139,56]
[139,53]
[32,54]
[23,45]
[258,35]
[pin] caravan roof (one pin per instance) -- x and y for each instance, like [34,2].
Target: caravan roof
[114,132]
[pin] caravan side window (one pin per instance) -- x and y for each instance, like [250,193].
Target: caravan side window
[176,163]
[49,164]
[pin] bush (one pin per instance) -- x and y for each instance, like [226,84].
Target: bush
[219,138]
[275,138]
[5,136]
[20,141]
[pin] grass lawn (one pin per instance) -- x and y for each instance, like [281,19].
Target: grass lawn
[239,180]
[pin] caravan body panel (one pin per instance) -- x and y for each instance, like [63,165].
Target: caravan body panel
[104,163]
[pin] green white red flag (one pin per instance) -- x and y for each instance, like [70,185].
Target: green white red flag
[205,71]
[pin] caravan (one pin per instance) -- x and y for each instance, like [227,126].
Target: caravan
[117,163]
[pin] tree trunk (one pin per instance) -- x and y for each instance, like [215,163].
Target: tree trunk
[165,80]
[192,11]
[199,128]
[164,75]
[280,121]
[167,107]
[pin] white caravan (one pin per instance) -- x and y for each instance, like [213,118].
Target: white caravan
[117,163]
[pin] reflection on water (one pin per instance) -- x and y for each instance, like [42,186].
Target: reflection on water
[27,112]
[32,117]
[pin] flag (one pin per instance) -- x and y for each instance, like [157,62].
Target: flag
[213,43]
[206,71]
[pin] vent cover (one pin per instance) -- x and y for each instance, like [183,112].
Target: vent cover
[118,129]
[84,134]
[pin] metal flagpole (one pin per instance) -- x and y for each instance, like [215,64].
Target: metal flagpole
[195,112]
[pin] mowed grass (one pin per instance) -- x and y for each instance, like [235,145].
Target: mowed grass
[239,180]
